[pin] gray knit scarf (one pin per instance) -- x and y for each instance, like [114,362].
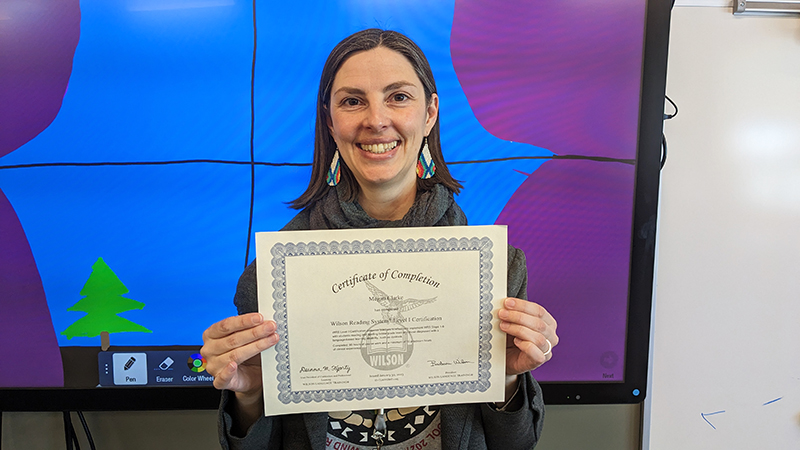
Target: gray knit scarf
[435,207]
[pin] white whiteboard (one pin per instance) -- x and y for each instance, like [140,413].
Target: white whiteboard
[726,351]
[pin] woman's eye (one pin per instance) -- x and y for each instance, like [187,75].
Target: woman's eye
[400,97]
[351,102]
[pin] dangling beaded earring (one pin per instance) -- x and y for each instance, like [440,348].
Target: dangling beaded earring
[335,172]
[426,168]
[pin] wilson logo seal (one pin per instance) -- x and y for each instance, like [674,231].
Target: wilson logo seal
[387,344]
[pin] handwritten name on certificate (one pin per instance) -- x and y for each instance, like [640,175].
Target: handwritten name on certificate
[382,318]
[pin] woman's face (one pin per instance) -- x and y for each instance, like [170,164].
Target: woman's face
[379,117]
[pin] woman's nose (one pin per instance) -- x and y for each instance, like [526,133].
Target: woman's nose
[377,117]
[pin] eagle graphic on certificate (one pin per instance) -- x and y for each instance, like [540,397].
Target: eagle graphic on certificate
[395,305]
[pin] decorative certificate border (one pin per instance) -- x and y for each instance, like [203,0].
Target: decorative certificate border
[280,251]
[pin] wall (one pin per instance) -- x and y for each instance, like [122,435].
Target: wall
[726,352]
[114,430]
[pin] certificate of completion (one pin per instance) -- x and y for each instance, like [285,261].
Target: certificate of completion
[382,318]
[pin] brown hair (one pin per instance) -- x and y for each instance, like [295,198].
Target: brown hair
[324,145]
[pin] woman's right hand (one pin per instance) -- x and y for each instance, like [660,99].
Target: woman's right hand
[232,347]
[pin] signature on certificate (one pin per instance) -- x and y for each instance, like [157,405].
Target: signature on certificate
[455,362]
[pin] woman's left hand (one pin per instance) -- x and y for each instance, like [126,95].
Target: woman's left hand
[531,334]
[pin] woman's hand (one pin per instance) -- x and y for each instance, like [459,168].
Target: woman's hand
[529,328]
[231,348]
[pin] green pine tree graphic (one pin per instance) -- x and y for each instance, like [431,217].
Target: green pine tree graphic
[103,300]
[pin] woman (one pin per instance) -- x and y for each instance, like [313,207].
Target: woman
[378,163]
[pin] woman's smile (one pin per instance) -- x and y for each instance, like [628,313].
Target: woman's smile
[378,148]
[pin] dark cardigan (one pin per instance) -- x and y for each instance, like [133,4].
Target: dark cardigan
[465,426]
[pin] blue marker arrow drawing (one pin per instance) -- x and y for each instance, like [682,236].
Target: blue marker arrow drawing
[704,415]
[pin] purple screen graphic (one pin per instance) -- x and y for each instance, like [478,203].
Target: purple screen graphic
[36,61]
[566,78]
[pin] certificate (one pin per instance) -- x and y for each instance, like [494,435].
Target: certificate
[382,318]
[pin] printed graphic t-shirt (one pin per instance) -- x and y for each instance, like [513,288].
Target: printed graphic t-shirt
[406,429]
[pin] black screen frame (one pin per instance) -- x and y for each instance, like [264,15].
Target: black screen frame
[645,215]
[654,69]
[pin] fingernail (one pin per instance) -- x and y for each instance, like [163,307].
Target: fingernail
[503,314]
[258,318]
[510,302]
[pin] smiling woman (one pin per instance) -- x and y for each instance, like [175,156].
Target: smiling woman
[404,54]
[376,145]
[379,117]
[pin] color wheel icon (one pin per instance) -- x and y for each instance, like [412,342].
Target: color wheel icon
[196,363]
